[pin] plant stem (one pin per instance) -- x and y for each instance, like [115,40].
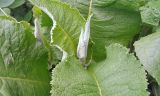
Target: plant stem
[3,12]
[90,8]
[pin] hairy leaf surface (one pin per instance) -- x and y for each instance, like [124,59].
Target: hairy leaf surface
[23,61]
[148,51]
[68,23]
[113,21]
[120,74]
[150,13]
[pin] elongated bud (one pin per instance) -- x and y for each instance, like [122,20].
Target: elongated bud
[37,29]
[83,41]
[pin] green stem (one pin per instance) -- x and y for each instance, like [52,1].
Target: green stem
[3,12]
[90,8]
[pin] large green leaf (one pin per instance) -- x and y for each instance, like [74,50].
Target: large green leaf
[113,21]
[120,74]
[150,13]
[123,4]
[23,61]
[111,25]
[148,51]
[68,23]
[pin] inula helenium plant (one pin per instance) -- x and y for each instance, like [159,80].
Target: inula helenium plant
[79,48]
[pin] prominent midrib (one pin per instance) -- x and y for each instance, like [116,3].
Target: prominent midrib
[70,10]
[26,80]
[97,83]
[69,37]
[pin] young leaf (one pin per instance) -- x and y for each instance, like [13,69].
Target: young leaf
[23,62]
[68,23]
[120,74]
[148,51]
[83,41]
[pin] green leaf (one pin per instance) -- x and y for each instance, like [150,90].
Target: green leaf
[20,12]
[5,3]
[6,10]
[68,23]
[110,25]
[120,74]
[120,4]
[55,56]
[46,20]
[36,11]
[113,21]
[17,3]
[128,4]
[28,16]
[23,61]
[150,13]
[43,25]
[148,51]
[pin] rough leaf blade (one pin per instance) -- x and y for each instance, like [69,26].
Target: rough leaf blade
[120,74]
[148,51]
[68,23]
[23,62]
[150,13]
[113,21]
